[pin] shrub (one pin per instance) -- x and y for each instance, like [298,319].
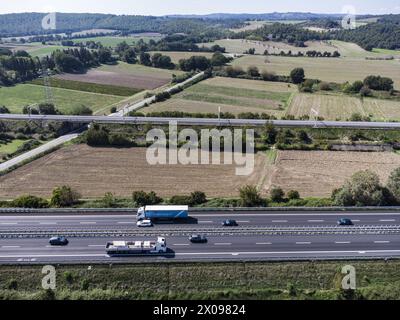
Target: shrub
[119,140]
[362,189]
[109,200]
[81,110]
[250,196]
[68,277]
[297,75]
[198,197]
[141,198]
[268,76]
[64,196]
[325,86]
[253,71]
[277,194]
[113,109]
[48,109]
[4,109]
[181,200]
[30,202]
[12,284]
[293,195]
[97,136]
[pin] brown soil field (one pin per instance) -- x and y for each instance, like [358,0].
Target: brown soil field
[317,173]
[95,171]
[184,105]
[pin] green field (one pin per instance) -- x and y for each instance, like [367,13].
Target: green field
[11,147]
[89,87]
[337,70]
[206,281]
[113,41]
[239,46]
[341,107]
[387,51]
[178,55]
[231,95]
[15,98]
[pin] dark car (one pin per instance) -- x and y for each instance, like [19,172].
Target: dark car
[198,239]
[229,223]
[345,222]
[58,241]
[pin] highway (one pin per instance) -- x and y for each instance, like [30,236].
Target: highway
[311,236]
[204,219]
[203,122]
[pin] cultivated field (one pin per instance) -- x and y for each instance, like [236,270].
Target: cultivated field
[16,97]
[231,95]
[176,56]
[312,173]
[125,75]
[341,107]
[95,171]
[318,173]
[252,25]
[326,69]
[113,41]
[240,46]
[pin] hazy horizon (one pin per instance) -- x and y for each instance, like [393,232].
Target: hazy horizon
[190,7]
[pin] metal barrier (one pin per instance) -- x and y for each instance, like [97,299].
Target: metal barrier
[193,210]
[271,231]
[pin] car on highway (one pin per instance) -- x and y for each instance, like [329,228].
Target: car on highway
[58,241]
[197,238]
[345,222]
[144,224]
[229,223]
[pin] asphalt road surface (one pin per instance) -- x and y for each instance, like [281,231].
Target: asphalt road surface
[203,121]
[201,220]
[221,245]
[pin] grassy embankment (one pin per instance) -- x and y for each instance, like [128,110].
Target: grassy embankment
[243,280]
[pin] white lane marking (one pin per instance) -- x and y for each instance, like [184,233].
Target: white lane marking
[5,247]
[263,243]
[387,220]
[181,244]
[223,244]
[55,256]
[243,221]
[342,242]
[279,221]
[303,242]
[9,223]
[285,252]
[96,245]
[47,223]
[381,242]
[206,221]
[126,222]
[316,220]
[356,220]
[87,222]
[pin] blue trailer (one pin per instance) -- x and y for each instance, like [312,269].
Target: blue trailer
[163,213]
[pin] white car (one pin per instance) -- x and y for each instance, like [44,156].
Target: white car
[144,223]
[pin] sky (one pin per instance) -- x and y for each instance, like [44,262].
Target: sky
[166,7]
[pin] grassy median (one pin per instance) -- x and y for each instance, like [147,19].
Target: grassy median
[243,280]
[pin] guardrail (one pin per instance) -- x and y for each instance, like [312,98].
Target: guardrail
[194,210]
[271,231]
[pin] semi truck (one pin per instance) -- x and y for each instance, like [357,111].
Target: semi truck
[163,213]
[120,248]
